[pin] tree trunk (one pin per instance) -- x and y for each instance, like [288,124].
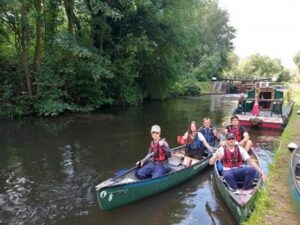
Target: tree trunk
[38,26]
[51,12]
[23,47]
[69,7]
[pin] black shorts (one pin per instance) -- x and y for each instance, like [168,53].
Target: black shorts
[195,154]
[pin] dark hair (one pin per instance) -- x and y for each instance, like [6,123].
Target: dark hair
[189,127]
[234,117]
[190,133]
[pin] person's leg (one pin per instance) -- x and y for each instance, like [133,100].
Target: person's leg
[187,161]
[158,171]
[249,175]
[195,154]
[146,171]
[230,178]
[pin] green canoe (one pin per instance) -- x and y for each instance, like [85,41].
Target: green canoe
[294,179]
[239,204]
[127,188]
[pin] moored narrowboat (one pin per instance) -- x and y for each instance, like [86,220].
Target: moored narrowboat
[265,106]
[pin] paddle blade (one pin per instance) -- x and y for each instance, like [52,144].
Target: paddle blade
[121,172]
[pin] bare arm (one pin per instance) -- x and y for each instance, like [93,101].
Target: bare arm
[185,136]
[257,168]
[246,137]
[202,138]
[207,145]
[216,156]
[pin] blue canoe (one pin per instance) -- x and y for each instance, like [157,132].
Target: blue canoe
[294,179]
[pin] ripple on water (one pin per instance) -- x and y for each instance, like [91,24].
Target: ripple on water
[49,198]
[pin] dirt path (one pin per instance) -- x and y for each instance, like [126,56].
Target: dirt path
[281,210]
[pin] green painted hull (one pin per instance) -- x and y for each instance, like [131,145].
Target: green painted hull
[294,187]
[239,211]
[114,196]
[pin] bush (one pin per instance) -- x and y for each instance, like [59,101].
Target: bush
[187,87]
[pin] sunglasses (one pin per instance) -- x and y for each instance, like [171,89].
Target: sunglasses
[154,132]
[230,139]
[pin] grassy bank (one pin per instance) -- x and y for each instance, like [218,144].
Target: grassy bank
[205,87]
[274,205]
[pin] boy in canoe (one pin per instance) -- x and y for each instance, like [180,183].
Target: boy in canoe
[232,157]
[240,132]
[155,164]
[209,132]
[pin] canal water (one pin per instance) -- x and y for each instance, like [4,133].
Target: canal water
[50,166]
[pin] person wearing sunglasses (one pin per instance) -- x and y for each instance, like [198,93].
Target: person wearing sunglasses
[155,164]
[232,157]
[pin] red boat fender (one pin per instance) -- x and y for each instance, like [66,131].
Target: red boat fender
[255,109]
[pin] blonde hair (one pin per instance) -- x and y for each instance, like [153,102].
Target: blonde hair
[206,119]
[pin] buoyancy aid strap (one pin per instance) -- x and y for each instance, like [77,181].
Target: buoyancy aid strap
[237,131]
[234,161]
[159,152]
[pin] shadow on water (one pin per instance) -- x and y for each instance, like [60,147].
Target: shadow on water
[49,166]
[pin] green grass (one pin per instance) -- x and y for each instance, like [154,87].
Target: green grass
[264,205]
[206,87]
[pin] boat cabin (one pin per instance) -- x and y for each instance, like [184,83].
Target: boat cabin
[269,98]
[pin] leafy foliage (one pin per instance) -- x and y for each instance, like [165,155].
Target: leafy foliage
[80,55]
[263,66]
[297,60]
[256,66]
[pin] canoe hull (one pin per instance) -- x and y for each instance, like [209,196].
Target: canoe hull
[115,196]
[265,122]
[293,184]
[239,211]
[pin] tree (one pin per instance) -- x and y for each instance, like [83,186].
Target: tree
[297,61]
[257,66]
[38,31]
[80,55]
[232,67]
[214,41]
[15,14]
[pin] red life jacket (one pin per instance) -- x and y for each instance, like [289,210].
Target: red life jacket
[232,159]
[236,131]
[159,153]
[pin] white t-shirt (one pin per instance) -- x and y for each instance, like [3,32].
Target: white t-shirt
[200,136]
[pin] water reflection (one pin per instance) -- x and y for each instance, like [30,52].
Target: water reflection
[35,192]
[14,195]
[201,205]
[49,167]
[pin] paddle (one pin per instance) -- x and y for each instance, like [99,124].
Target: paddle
[121,172]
